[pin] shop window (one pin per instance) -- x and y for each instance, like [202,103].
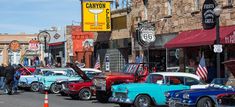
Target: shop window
[169,3]
[197,4]
[173,58]
[230,2]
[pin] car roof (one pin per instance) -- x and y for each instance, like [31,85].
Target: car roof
[177,74]
[90,69]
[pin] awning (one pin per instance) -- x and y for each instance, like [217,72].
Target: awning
[202,37]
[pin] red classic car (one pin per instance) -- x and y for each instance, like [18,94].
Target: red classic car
[80,89]
[226,100]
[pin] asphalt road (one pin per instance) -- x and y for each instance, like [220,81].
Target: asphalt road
[34,99]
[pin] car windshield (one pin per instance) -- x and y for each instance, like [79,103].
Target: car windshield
[223,82]
[48,73]
[155,78]
[130,68]
[70,73]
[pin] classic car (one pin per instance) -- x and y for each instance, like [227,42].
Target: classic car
[47,83]
[226,100]
[152,91]
[31,81]
[132,72]
[205,97]
[75,86]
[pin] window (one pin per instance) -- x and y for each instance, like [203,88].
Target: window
[230,2]
[197,4]
[174,80]
[191,81]
[169,7]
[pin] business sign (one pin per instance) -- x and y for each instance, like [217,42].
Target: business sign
[34,45]
[146,33]
[14,45]
[107,63]
[208,17]
[96,16]
[230,39]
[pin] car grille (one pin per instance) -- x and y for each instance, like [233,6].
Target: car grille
[175,103]
[120,95]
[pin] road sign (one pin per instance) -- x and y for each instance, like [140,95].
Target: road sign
[148,35]
[34,45]
[218,48]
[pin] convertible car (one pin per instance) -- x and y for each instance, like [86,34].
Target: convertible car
[206,97]
[152,91]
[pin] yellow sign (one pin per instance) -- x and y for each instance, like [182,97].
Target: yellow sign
[96,16]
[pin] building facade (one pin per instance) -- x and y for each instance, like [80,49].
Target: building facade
[15,49]
[174,18]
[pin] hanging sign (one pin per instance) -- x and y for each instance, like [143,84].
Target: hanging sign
[14,45]
[146,33]
[208,17]
[96,16]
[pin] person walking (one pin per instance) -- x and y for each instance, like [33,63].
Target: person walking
[9,74]
[2,76]
[16,78]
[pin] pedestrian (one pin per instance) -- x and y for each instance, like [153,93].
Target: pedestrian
[16,78]
[9,74]
[2,76]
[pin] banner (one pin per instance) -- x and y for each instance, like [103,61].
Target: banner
[96,16]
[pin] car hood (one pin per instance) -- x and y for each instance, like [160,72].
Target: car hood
[206,91]
[134,86]
[112,74]
[79,71]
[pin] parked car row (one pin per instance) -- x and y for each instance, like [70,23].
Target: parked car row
[133,86]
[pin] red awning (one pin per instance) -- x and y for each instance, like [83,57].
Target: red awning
[202,37]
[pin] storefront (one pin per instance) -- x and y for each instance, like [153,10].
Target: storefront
[194,43]
[57,48]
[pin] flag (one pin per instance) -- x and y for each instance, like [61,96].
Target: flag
[97,63]
[201,69]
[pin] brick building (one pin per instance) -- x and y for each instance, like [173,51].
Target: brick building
[175,18]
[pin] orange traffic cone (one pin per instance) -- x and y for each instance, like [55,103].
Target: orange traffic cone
[46,100]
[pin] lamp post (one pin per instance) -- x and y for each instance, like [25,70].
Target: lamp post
[217,11]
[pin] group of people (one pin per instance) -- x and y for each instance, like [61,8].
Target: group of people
[9,77]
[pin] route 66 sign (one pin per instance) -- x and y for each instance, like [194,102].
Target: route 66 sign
[218,48]
[146,33]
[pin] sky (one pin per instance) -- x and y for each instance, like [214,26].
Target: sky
[30,16]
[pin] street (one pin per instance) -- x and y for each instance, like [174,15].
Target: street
[34,99]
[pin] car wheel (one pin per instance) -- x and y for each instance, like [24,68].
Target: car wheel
[54,89]
[142,101]
[85,94]
[34,87]
[205,102]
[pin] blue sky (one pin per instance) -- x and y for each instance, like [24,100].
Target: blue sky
[30,16]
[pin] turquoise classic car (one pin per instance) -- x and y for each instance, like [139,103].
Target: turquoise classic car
[48,82]
[152,91]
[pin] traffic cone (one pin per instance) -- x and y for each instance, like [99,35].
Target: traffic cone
[46,100]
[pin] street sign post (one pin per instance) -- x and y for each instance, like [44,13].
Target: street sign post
[146,33]
[218,48]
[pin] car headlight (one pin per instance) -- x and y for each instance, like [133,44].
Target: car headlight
[167,94]
[186,96]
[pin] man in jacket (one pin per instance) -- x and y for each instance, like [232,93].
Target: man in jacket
[9,74]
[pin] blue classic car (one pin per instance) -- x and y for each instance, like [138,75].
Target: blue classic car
[47,82]
[31,81]
[200,97]
[152,91]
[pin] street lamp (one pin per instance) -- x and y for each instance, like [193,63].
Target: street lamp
[217,11]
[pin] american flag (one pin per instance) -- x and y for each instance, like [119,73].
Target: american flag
[201,69]
[97,63]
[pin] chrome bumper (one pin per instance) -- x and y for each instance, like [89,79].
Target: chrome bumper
[24,85]
[120,100]
[178,103]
